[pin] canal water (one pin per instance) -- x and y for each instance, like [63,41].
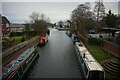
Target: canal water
[57,58]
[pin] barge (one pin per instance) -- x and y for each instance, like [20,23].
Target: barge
[92,70]
[17,68]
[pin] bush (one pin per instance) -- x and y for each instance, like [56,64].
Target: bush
[12,34]
[96,41]
[100,36]
[31,33]
[23,39]
[5,45]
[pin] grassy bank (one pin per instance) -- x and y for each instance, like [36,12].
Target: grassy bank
[99,54]
[17,39]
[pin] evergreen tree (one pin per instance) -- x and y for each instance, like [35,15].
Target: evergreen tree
[99,9]
[111,19]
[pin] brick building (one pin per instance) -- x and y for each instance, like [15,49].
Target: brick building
[5,26]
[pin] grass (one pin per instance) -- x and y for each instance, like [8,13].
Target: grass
[11,41]
[99,54]
[17,39]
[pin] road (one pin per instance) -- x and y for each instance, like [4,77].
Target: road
[57,58]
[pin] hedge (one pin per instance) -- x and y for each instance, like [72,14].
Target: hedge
[96,41]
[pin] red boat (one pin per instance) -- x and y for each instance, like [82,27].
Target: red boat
[43,40]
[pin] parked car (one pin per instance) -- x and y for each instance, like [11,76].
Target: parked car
[92,32]
[117,33]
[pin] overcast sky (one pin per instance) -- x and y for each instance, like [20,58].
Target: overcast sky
[18,12]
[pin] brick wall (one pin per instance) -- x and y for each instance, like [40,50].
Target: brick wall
[107,46]
[82,37]
[114,49]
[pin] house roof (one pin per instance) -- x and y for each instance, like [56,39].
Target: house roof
[112,29]
[0,18]
[5,20]
[17,26]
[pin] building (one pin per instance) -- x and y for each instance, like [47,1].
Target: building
[0,25]
[17,28]
[118,22]
[119,8]
[5,26]
[60,24]
[63,24]
[0,30]
[66,24]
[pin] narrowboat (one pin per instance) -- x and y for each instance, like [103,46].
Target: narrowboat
[17,68]
[92,70]
[43,40]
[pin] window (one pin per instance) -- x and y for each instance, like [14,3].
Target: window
[20,71]
[16,76]
[96,75]
[85,69]
[24,67]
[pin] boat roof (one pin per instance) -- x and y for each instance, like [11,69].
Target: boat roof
[91,63]
[15,63]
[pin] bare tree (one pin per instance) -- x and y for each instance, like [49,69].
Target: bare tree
[34,16]
[44,17]
[99,9]
[81,17]
[39,22]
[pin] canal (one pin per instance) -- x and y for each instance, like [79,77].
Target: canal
[57,58]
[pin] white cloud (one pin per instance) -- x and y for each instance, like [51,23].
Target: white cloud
[20,11]
[0,7]
[57,0]
[62,15]
[56,11]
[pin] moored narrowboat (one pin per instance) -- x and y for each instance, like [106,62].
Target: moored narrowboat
[17,68]
[43,40]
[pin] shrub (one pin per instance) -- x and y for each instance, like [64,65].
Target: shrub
[100,36]
[96,41]
[23,39]
[12,34]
